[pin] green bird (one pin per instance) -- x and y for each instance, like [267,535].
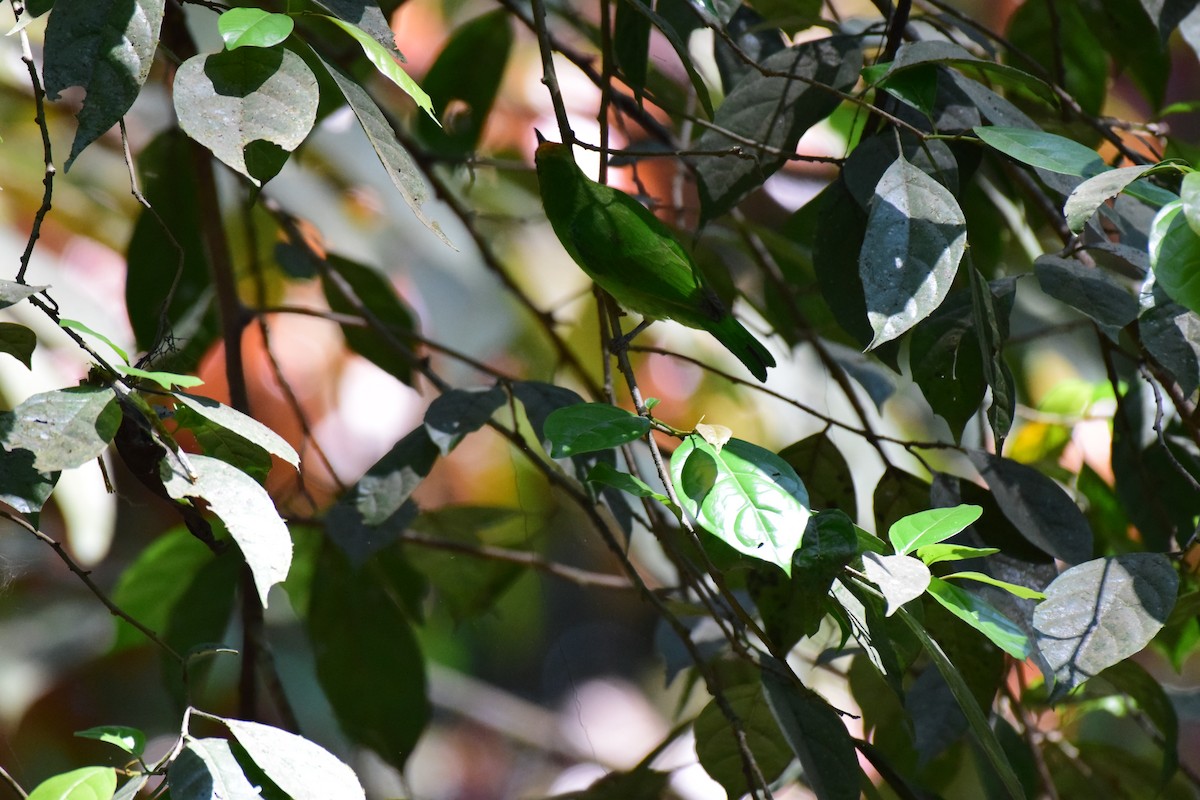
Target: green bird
[634,257]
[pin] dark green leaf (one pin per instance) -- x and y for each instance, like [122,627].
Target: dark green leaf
[746,496]
[150,587]
[1101,612]
[349,288]
[131,740]
[463,82]
[916,236]
[840,234]
[199,615]
[817,736]
[773,111]
[993,333]
[301,768]
[64,429]
[922,53]
[1132,679]
[679,43]
[642,783]
[107,47]
[897,495]
[22,486]
[18,341]
[229,100]
[717,748]
[827,476]
[1043,513]
[457,412]
[610,476]
[1061,41]
[87,783]
[361,638]
[946,361]
[1133,40]
[631,45]
[1090,290]
[748,40]
[392,479]
[253,27]
[540,400]
[399,165]
[1171,333]
[1043,150]
[206,770]
[590,427]
[872,158]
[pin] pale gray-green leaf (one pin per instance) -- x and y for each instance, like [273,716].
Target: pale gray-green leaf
[206,770]
[366,15]
[399,165]
[242,425]
[232,101]
[12,292]
[63,429]
[1092,193]
[244,507]
[303,769]
[106,47]
[1101,612]
[916,236]
[900,578]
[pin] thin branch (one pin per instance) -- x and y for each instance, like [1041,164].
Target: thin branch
[11,782]
[39,102]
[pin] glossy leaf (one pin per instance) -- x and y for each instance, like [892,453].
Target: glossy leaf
[206,770]
[1101,612]
[631,44]
[774,108]
[240,425]
[1175,256]
[590,427]
[841,231]
[361,638]
[86,783]
[253,27]
[899,578]
[981,616]
[816,734]
[106,47]
[457,412]
[64,429]
[1189,195]
[1043,150]
[931,527]
[131,740]
[303,769]
[383,60]
[1023,592]
[918,236]
[744,495]
[829,481]
[245,508]
[401,170]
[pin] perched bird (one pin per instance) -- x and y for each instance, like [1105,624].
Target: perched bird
[634,257]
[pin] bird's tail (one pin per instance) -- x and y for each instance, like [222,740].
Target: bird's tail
[749,350]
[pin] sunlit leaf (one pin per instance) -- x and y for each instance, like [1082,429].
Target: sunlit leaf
[1047,151]
[931,527]
[64,429]
[303,769]
[1175,256]
[131,740]
[591,427]
[936,553]
[384,61]
[206,770]
[1012,588]
[241,425]
[87,783]
[253,27]
[980,615]
[900,578]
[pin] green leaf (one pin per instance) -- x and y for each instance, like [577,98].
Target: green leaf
[1101,612]
[206,770]
[12,292]
[107,47]
[746,496]
[381,57]
[131,788]
[76,325]
[1089,290]
[253,27]
[245,508]
[303,769]
[1043,150]
[838,242]
[924,53]
[131,740]
[931,527]
[368,16]
[1037,507]
[18,341]
[980,615]
[590,427]
[817,736]
[717,748]
[936,553]
[87,783]
[680,45]
[1023,592]
[772,108]
[1171,333]
[241,426]
[22,486]
[233,100]
[348,281]
[900,578]
[1061,41]
[63,429]
[828,479]
[631,45]
[392,479]
[457,412]
[1189,194]
[399,165]
[150,587]
[1132,679]
[196,621]
[916,236]
[897,495]
[361,639]
[1175,256]
[464,80]
[608,475]
[166,380]
[1097,190]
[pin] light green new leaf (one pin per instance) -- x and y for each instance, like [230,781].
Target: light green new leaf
[935,553]
[899,578]
[251,106]
[387,65]
[590,427]
[930,527]
[88,783]
[981,616]
[166,380]
[303,769]
[1097,190]
[399,165]
[1043,150]
[1175,256]
[244,507]
[207,768]
[131,740]
[366,14]
[253,27]
[1012,588]
[239,424]
[18,341]
[76,325]
[107,47]
[918,235]
[744,495]
[64,429]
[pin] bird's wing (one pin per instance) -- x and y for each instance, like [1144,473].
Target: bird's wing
[634,257]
